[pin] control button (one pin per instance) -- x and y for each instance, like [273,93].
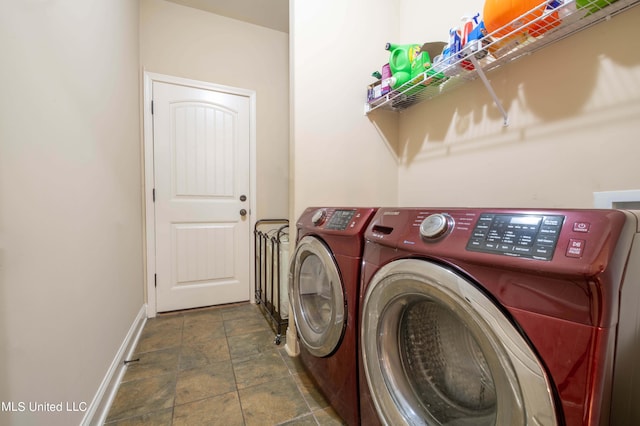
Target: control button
[522,250]
[491,246]
[581,227]
[318,217]
[435,225]
[505,247]
[487,219]
[549,230]
[575,248]
[553,221]
[475,242]
[544,251]
[545,240]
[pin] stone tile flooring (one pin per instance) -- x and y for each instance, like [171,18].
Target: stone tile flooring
[216,366]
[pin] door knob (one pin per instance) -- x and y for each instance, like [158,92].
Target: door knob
[243,212]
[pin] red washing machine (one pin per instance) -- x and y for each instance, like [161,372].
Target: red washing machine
[324,286]
[501,317]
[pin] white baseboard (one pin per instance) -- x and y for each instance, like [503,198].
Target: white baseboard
[98,410]
[292,346]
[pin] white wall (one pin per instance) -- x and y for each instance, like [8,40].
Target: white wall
[185,42]
[70,199]
[339,158]
[574,127]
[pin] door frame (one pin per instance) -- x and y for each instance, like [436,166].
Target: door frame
[149,205]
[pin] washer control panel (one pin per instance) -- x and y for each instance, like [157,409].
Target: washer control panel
[521,235]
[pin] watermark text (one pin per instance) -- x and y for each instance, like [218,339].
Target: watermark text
[42,406]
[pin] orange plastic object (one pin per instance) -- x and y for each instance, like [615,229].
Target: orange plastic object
[506,16]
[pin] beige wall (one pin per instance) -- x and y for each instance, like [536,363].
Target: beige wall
[70,199]
[185,42]
[574,110]
[338,156]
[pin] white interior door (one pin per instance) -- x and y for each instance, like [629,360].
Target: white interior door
[202,180]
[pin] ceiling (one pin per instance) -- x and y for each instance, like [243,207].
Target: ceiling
[272,14]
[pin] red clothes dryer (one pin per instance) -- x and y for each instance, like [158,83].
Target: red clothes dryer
[501,317]
[324,286]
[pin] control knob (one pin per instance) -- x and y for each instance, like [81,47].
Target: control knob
[318,217]
[436,225]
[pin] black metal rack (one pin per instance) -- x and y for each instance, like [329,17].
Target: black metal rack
[270,238]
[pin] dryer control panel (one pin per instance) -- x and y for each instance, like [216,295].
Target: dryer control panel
[340,219]
[521,235]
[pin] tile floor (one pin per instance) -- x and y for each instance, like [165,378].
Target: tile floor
[216,366]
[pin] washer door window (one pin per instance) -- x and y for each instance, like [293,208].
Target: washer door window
[437,351]
[317,297]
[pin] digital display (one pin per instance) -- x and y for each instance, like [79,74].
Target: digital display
[525,220]
[340,219]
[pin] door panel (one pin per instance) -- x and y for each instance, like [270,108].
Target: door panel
[204,146]
[317,297]
[437,350]
[201,255]
[201,169]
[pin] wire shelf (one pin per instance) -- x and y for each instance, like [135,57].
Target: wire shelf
[499,47]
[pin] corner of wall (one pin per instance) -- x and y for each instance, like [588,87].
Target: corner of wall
[98,409]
